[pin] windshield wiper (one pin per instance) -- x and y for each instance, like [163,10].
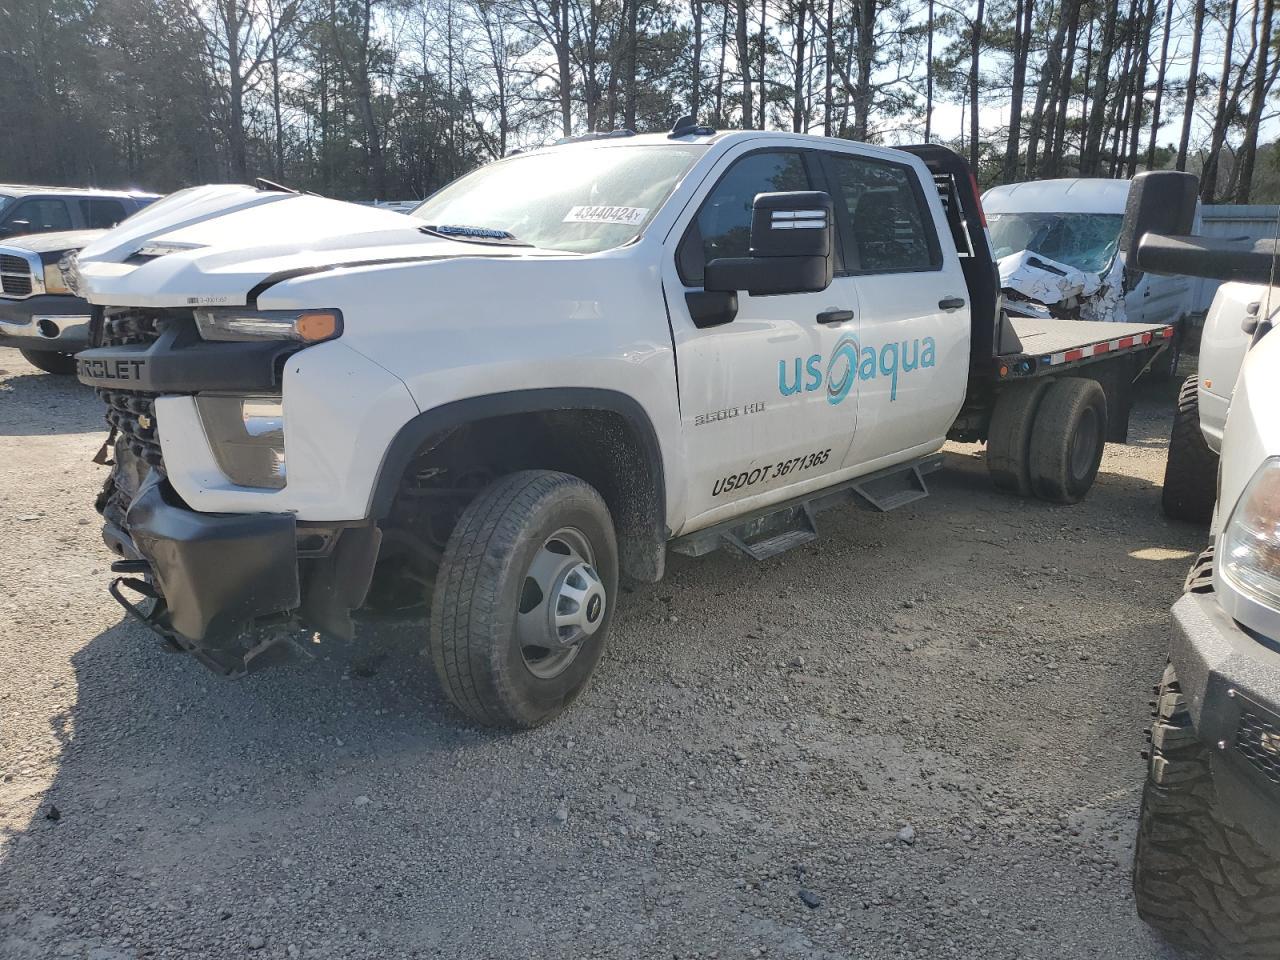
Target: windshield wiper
[474,234]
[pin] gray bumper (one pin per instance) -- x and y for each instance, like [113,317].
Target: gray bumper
[1231,681]
[45,322]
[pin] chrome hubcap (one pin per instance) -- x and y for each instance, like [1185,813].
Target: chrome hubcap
[562,603]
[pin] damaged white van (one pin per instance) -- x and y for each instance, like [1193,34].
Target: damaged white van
[1055,242]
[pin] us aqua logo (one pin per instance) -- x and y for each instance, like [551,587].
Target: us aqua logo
[850,363]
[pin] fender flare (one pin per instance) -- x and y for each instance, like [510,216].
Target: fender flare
[410,438]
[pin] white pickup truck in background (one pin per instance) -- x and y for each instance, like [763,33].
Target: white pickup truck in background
[1057,245]
[555,369]
[1191,470]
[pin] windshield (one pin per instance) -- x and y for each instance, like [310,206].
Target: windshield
[579,199]
[1086,241]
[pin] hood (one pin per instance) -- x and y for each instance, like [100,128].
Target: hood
[1038,286]
[1046,281]
[58,242]
[216,244]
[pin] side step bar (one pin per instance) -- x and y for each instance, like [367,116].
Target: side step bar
[768,532]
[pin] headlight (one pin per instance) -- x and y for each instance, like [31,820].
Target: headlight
[1251,540]
[53,282]
[247,437]
[239,323]
[69,267]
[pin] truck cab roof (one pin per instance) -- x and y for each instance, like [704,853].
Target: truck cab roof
[1070,195]
[8,190]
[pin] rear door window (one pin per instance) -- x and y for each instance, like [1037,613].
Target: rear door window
[101,212]
[888,225]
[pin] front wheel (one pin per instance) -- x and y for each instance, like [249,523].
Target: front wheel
[1191,467]
[51,361]
[1201,881]
[524,598]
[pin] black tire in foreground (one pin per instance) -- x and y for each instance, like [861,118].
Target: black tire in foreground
[524,598]
[51,361]
[1191,470]
[1009,435]
[1200,881]
[1068,439]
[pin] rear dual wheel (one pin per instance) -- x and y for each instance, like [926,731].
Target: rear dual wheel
[1046,438]
[524,598]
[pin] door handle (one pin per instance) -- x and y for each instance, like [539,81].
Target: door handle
[835,316]
[950,303]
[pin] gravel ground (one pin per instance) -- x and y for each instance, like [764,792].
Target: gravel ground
[917,737]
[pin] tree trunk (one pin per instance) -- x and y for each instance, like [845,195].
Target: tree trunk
[829,68]
[1097,111]
[744,64]
[1048,76]
[1055,142]
[1209,176]
[629,112]
[1021,48]
[1160,73]
[801,41]
[231,20]
[724,46]
[1145,30]
[1249,149]
[1118,116]
[975,50]
[761,88]
[695,92]
[928,76]
[560,13]
[1193,71]
[866,21]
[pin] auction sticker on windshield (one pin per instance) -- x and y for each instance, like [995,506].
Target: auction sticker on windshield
[599,213]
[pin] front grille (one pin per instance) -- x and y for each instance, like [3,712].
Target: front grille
[1258,741]
[131,413]
[15,276]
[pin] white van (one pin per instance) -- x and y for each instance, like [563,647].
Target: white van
[1071,228]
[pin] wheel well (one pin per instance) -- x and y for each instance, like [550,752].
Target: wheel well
[604,447]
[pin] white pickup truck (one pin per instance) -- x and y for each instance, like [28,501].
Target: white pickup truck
[1191,469]
[1207,860]
[554,370]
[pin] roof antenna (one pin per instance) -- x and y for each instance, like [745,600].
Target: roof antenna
[264,184]
[688,126]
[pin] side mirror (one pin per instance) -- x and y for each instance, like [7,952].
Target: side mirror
[1160,201]
[791,241]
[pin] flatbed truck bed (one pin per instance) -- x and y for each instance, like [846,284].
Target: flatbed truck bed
[1049,346]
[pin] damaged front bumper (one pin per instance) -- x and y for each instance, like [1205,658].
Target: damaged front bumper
[1230,678]
[213,577]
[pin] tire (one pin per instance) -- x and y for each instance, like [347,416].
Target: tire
[1009,436]
[1191,469]
[522,544]
[1068,439]
[1200,881]
[51,361]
